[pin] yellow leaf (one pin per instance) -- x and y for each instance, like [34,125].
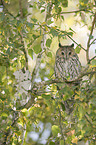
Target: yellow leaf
[43,23]
[75,140]
[54,27]
[46,28]
[24,110]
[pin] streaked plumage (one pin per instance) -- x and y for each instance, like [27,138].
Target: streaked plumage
[67,64]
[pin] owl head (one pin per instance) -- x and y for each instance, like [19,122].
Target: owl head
[65,52]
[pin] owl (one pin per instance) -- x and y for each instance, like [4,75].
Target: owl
[67,64]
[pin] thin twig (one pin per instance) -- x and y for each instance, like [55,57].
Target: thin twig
[20,7]
[88,43]
[76,11]
[8,131]
[92,42]
[89,121]
[91,59]
[21,36]
[60,123]
[76,42]
[24,50]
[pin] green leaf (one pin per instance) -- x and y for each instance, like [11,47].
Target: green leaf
[30,52]
[49,22]
[37,48]
[64,3]
[94,62]
[49,54]
[8,51]
[42,10]
[91,37]
[62,17]
[48,42]
[4,114]
[61,142]
[34,20]
[54,32]
[77,49]
[70,33]
[59,9]
[46,97]
[29,44]
[72,30]
[63,106]
[30,25]
[52,143]
[55,130]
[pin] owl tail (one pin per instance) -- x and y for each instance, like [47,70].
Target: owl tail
[68,104]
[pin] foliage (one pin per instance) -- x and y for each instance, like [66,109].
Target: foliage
[29,102]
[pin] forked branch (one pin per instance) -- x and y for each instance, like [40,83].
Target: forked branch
[90,36]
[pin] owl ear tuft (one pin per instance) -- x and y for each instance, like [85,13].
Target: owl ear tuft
[60,45]
[72,45]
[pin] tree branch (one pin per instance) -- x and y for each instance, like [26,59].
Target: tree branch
[44,83]
[76,42]
[92,42]
[91,59]
[7,9]
[38,61]
[88,43]
[20,7]
[89,120]
[76,11]
[60,122]
[8,131]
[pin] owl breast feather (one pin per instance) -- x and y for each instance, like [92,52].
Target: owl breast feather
[68,69]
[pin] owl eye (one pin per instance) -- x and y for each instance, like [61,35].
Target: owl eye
[62,53]
[70,53]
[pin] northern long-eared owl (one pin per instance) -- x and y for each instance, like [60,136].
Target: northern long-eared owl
[67,64]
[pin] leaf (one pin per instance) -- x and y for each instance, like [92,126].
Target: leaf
[49,54]
[8,51]
[37,48]
[24,110]
[54,32]
[44,23]
[91,37]
[30,25]
[30,52]
[64,3]
[4,115]
[94,62]
[62,17]
[77,49]
[59,9]
[63,106]
[61,142]
[70,33]
[29,44]
[49,22]
[72,30]
[43,10]
[34,20]
[48,42]
[55,130]
[52,143]
[46,97]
